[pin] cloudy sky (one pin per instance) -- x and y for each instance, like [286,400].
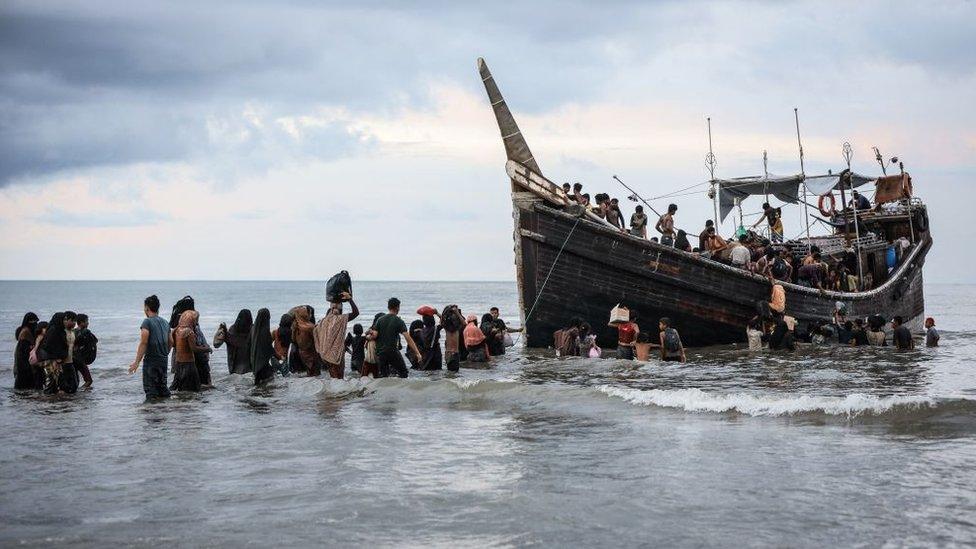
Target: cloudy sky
[287,140]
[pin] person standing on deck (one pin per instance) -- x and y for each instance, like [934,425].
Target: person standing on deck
[665,225]
[578,193]
[155,341]
[740,254]
[614,216]
[704,236]
[626,337]
[387,331]
[859,202]
[330,333]
[638,222]
[901,336]
[773,216]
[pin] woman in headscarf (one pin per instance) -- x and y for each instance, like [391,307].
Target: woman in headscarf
[53,352]
[262,348]
[281,339]
[201,359]
[453,323]
[37,368]
[474,341]
[370,360]
[417,333]
[303,334]
[184,304]
[23,373]
[431,337]
[493,337]
[681,242]
[185,375]
[237,339]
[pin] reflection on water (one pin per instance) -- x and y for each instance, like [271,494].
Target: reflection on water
[845,445]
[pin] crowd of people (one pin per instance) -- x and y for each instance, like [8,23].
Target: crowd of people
[54,356]
[300,345]
[747,250]
[578,339]
[774,328]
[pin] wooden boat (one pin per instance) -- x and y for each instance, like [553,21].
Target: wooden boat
[570,263]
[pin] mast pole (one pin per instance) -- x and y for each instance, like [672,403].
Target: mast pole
[710,162]
[803,174]
[848,155]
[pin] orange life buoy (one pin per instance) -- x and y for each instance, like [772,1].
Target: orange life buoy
[833,205]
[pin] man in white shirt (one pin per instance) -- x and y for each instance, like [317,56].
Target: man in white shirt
[740,254]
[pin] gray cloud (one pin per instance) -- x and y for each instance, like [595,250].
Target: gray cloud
[138,217]
[114,83]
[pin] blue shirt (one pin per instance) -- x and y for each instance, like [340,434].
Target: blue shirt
[157,347]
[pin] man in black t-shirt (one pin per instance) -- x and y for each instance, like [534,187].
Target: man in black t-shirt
[387,331]
[901,336]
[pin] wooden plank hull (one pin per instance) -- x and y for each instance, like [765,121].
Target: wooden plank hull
[710,303]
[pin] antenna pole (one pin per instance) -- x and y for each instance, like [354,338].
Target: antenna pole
[878,157]
[766,173]
[848,156]
[710,162]
[803,174]
[639,197]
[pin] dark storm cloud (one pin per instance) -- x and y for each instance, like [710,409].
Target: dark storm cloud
[93,84]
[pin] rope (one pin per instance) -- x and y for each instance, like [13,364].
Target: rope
[538,295]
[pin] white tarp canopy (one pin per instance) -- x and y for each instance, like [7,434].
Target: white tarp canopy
[785,188]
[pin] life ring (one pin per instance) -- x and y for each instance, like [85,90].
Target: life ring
[833,205]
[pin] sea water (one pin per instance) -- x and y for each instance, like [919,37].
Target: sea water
[827,446]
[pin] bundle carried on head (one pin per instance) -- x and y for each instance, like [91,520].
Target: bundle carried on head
[337,285]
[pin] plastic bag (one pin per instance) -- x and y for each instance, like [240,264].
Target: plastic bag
[508,340]
[426,310]
[336,285]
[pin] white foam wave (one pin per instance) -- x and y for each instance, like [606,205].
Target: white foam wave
[696,400]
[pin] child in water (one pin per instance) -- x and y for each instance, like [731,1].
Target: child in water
[590,348]
[356,347]
[642,349]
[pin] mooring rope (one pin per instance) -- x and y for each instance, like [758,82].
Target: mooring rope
[546,281]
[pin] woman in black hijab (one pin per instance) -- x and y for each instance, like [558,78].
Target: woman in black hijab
[23,373]
[281,339]
[53,351]
[262,348]
[237,338]
[432,359]
[417,333]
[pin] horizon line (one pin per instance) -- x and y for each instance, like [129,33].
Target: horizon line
[223,280]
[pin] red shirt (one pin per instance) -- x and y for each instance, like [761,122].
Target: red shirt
[628,332]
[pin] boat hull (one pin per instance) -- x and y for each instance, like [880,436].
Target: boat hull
[709,303]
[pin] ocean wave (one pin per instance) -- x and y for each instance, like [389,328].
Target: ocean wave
[696,400]
[422,392]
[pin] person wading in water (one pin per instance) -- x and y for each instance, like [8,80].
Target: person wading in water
[330,335]
[387,332]
[155,341]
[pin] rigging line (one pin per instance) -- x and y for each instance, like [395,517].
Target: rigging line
[538,294]
[679,190]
